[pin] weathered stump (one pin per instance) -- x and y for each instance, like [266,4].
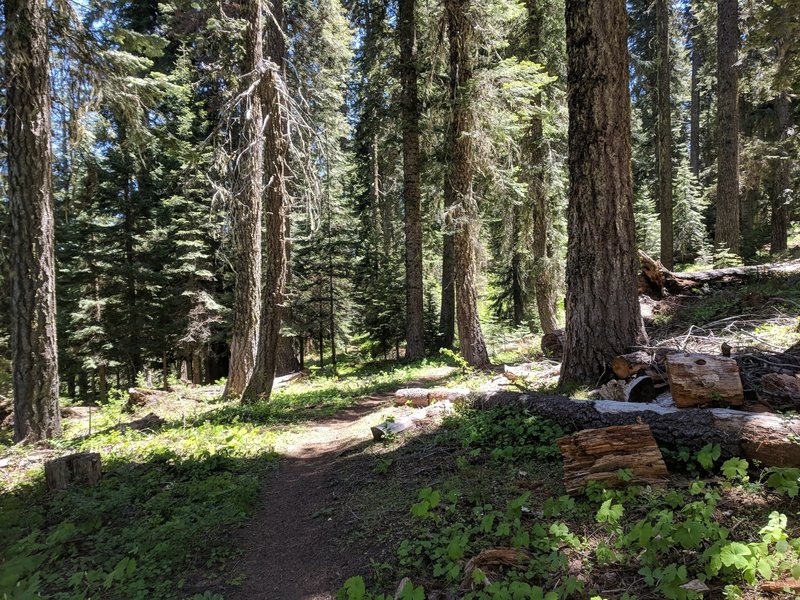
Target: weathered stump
[702,379]
[553,344]
[82,469]
[599,454]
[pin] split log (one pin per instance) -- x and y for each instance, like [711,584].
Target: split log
[701,379]
[421,397]
[770,439]
[598,455]
[142,397]
[641,362]
[780,391]
[83,469]
[553,344]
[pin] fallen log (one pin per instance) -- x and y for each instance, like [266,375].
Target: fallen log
[553,344]
[401,424]
[142,397]
[702,379]
[491,558]
[638,389]
[780,391]
[655,280]
[83,469]
[421,397]
[599,455]
[791,586]
[770,439]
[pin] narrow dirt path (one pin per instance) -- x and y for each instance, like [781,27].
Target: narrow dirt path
[290,545]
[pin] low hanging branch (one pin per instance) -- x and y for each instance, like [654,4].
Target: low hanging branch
[771,439]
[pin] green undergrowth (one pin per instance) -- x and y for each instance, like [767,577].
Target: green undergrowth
[716,530]
[158,523]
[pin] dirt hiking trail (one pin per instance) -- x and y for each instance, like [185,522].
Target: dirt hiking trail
[293,548]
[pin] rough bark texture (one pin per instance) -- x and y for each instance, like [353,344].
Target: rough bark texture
[276,133]
[602,307]
[465,208]
[599,455]
[33,300]
[545,287]
[694,114]
[287,360]
[664,132]
[782,191]
[763,437]
[83,469]
[727,206]
[447,309]
[246,212]
[410,106]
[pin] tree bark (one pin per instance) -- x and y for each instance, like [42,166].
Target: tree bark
[287,361]
[755,436]
[602,306]
[415,335]
[664,138]
[727,205]
[277,134]
[545,288]
[33,300]
[780,208]
[246,211]
[447,311]
[465,215]
[694,113]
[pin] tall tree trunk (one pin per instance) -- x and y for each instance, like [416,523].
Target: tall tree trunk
[164,371]
[197,368]
[277,134]
[727,206]
[517,290]
[780,208]
[33,283]
[415,345]
[545,287]
[465,217]
[447,309]
[246,212]
[602,306]
[694,112]
[664,139]
[102,383]
[287,361]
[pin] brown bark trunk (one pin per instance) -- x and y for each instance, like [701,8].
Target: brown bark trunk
[287,361]
[164,371]
[782,191]
[415,348]
[694,114]
[277,133]
[246,211]
[447,312]
[545,287]
[102,384]
[197,368]
[727,205]
[755,436]
[602,305]
[33,300]
[465,208]
[664,137]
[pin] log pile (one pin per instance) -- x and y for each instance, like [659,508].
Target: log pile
[82,469]
[599,455]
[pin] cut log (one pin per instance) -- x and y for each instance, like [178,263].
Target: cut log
[420,397]
[599,454]
[770,439]
[702,379]
[780,391]
[83,469]
[641,362]
[553,344]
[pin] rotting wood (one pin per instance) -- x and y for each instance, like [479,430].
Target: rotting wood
[492,558]
[778,587]
[702,379]
[644,362]
[421,397]
[143,397]
[553,344]
[83,469]
[780,391]
[599,454]
[770,439]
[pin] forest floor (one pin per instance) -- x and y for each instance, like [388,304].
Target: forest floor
[292,499]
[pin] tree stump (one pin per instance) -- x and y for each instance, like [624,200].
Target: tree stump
[702,379]
[598,455]
[83,469]
[553,344]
